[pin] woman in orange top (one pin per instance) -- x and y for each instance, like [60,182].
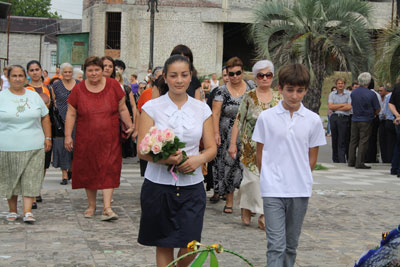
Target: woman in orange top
[35,72]
[46,78]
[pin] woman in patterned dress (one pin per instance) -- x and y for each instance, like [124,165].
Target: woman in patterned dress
[61,157]
[253,103]
[227,171]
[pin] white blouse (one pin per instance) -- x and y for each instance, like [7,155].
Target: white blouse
[187,124]
[214,84]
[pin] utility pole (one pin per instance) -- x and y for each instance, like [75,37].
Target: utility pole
[153,7]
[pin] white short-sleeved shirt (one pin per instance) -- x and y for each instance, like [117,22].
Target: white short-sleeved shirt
[6,84]
[285,167]
[20,121]
[187,124]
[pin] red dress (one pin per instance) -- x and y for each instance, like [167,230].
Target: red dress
[97,158]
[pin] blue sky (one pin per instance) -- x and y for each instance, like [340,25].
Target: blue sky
[69,9]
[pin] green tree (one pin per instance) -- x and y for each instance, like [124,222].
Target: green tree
[387,66]
[32,8]
[325,35]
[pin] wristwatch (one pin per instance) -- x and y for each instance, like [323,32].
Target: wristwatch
[47,138]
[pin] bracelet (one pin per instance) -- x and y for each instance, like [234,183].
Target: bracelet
[132,127]
[47,138]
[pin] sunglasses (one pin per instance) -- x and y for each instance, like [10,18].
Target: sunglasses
[231,74]
[261,76]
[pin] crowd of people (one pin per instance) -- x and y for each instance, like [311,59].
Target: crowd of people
[362,124]
[240,135]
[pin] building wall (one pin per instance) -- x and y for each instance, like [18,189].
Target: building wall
[173,26]
[25,47]
[195,23]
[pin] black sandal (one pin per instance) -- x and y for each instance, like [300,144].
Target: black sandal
[228,210]
[214,199]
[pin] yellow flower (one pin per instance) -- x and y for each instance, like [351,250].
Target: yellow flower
[194,245]
[218,248]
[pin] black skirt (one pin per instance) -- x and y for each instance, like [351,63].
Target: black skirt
[171,216]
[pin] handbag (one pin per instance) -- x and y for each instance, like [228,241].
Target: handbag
[57,123]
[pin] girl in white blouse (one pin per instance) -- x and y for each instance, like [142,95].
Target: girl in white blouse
[173,210]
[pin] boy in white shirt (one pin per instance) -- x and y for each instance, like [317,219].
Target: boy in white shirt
[288,136]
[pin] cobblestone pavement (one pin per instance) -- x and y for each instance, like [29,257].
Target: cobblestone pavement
[347,213]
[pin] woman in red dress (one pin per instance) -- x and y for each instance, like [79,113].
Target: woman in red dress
[96,105]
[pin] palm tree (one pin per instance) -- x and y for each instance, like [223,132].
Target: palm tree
[387,64]
[325,35]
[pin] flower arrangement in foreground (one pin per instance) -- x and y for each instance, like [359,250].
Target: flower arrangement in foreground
[160,144]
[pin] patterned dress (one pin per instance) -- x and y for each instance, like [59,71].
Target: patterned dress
[249,196]
[227,172]
[61,157]
[249,110]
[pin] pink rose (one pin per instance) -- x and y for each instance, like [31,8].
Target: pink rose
[156,148]
[144,148]
[159,138]
[169,135]
[146,139]
[153,130]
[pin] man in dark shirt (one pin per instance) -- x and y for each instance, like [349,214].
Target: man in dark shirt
[394,106]
[365,107]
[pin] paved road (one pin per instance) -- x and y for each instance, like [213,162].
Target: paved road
[347,213]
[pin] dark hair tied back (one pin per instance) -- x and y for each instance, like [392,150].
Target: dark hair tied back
[160,82]
[31,63]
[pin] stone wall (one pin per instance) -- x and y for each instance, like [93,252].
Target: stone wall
[195,23]
[23,47]
[173,26]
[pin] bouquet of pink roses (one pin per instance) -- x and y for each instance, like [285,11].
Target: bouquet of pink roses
[160,145]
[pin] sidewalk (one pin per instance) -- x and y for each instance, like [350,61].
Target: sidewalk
[347,213]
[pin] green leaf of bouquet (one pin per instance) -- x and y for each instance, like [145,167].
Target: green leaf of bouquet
[200,259]
[213,260]
[181,145]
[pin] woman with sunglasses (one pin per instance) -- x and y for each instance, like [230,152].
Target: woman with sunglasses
[253,103]
[227,171]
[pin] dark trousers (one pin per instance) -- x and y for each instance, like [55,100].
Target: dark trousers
[360,132]
[396,153]
[340,128]
[387,140]
[143,166]
[372,150]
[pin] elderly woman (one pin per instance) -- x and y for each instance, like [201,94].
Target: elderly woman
[214,81]
[25,135]
[96,104]
[253,103]
[62,89]
[78,74]
[227,172]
